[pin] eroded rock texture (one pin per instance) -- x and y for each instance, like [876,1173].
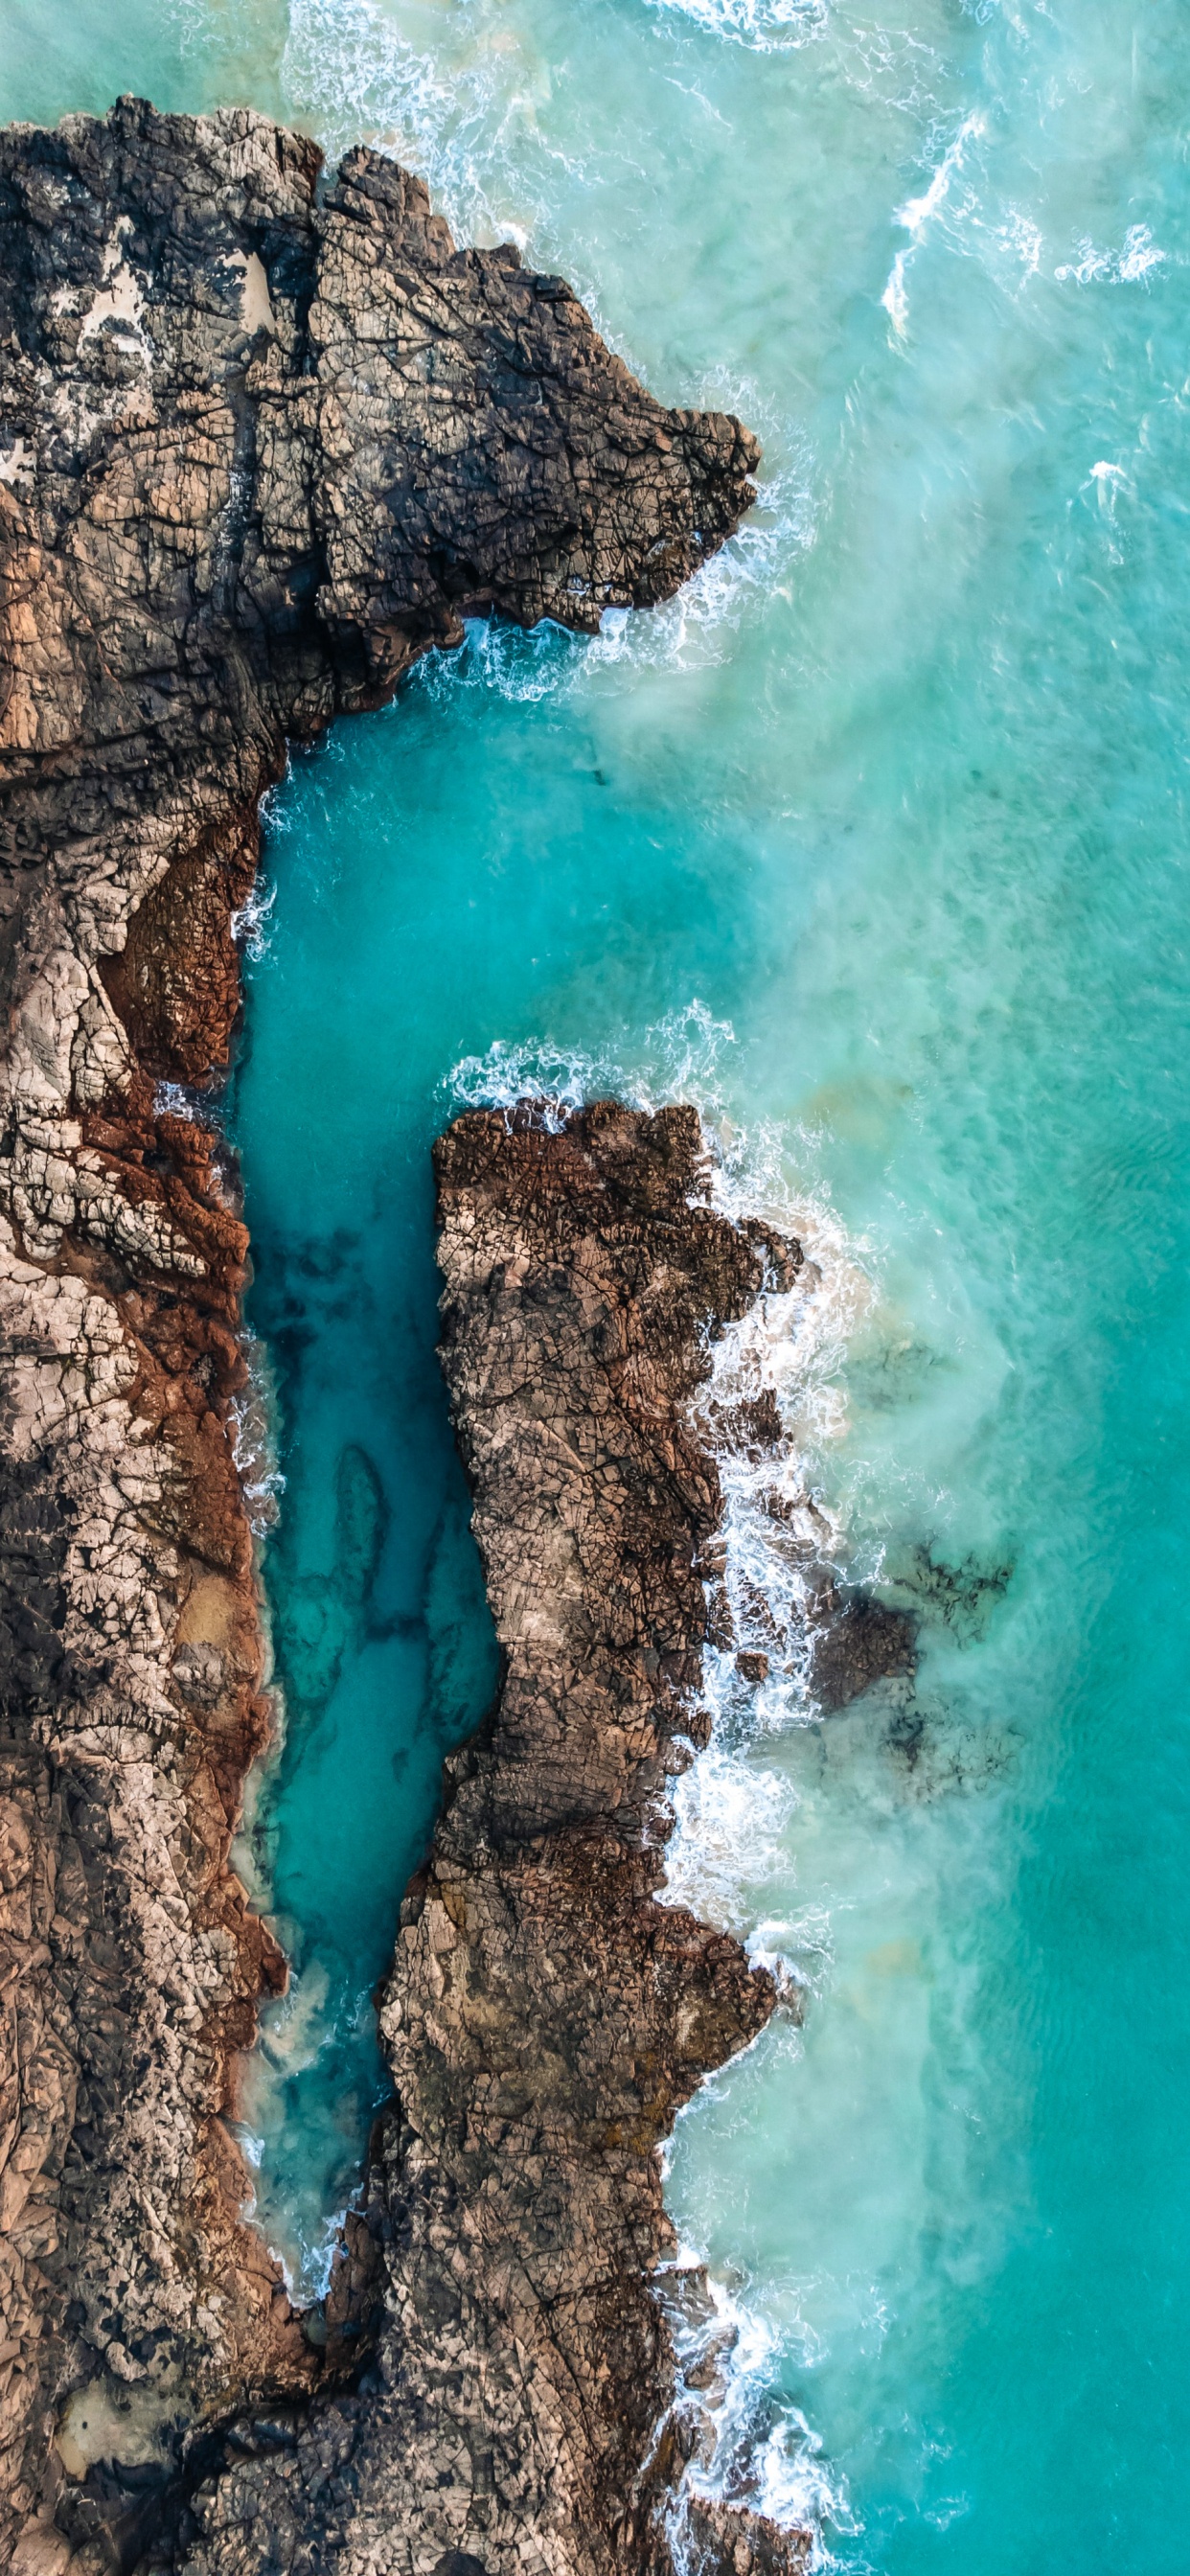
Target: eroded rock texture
[258,450]
[545,2017]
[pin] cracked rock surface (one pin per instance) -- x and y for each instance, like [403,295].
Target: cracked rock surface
[263,441]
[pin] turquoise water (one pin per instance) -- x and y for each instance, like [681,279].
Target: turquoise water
[876,844]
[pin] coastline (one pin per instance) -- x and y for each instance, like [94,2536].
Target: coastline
[203,559]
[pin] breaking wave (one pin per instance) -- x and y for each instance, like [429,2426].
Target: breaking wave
[680,1054]
[686,633]
[745,2450]
[254,1443]
[768,26]
[734,1812]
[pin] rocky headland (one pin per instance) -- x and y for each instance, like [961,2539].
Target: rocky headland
[266,436]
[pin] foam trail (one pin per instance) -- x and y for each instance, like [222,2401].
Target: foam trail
[918,212]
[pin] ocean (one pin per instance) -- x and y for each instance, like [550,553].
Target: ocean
[874,844]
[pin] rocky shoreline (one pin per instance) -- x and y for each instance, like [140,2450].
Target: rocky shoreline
[521,2406]
[265,438]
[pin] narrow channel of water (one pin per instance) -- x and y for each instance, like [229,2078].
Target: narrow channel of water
[897,799]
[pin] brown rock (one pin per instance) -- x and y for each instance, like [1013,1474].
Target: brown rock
[731,2540]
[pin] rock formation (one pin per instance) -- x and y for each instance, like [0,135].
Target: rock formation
[261,444]
[545,2017]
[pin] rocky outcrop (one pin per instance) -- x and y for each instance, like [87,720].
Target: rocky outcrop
[262,442]
[546,2017]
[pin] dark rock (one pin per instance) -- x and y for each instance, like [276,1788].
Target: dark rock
[859,1641]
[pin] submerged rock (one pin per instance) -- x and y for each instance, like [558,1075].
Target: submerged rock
[262,443]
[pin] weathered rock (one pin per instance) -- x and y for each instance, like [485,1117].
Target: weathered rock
[731,2540]
[258,450]
[545,2017]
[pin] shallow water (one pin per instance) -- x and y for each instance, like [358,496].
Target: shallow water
[896,798]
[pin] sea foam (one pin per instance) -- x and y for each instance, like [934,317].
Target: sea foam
[684,634]
[680,1056]
[768,26]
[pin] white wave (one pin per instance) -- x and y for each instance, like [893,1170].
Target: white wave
[250,925]
[679,1057]
[524,666]
[918,212]
[767,26]
[726,1809]
[692,628]
[463,115]
[729,1858]
[1129,266]
[466,117]
[352,73]
[794,1343]
[254,1439]
[895,298]
[274,808]
[1109,480]
[729,1851]
[1020,237]
[732,1811]
[176,1100]
[746,2451]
